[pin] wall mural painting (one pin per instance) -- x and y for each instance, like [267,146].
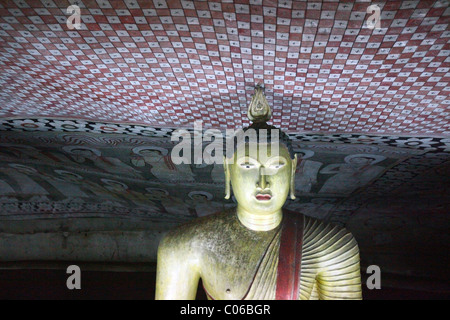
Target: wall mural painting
[328,173]
[101,176]
[74,174]
[408,178]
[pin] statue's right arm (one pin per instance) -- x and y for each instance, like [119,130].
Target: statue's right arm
[177,273]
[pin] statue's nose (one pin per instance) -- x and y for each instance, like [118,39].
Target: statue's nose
[262,183]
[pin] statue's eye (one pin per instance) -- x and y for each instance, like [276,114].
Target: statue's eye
[247,165]
[277,165]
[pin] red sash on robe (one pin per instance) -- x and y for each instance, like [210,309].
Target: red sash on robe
[290,257]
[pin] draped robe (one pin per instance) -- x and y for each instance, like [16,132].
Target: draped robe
[238,263]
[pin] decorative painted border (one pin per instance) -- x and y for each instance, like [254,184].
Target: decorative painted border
[41,124]
[433,144]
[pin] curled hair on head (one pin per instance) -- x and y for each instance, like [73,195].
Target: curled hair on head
[258,128]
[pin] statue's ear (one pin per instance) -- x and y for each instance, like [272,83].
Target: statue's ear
[226,169]
[292,182]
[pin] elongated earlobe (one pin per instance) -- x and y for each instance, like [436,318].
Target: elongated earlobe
[292,182]
[227,178]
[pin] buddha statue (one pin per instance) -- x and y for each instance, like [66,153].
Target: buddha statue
[258,250]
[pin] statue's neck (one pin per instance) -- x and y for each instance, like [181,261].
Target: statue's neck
[259,222]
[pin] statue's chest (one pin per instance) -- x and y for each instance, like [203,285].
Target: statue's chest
[229,267]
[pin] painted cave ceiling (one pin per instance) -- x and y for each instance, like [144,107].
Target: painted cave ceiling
[86,117]
[166,63]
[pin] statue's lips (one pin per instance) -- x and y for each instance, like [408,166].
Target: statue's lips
[263,196]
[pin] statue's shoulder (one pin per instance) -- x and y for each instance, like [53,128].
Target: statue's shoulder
[316,232]
[313,224]
[199,230]
[327,235]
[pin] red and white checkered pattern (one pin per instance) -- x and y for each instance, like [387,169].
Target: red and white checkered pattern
[167,63]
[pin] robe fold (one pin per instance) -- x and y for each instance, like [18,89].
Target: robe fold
[325,263]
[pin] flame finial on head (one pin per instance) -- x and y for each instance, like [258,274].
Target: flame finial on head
[259,109]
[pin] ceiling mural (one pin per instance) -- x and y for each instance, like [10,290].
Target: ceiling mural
[326,67]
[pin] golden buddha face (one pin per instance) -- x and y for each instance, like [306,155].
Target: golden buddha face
[261,184]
